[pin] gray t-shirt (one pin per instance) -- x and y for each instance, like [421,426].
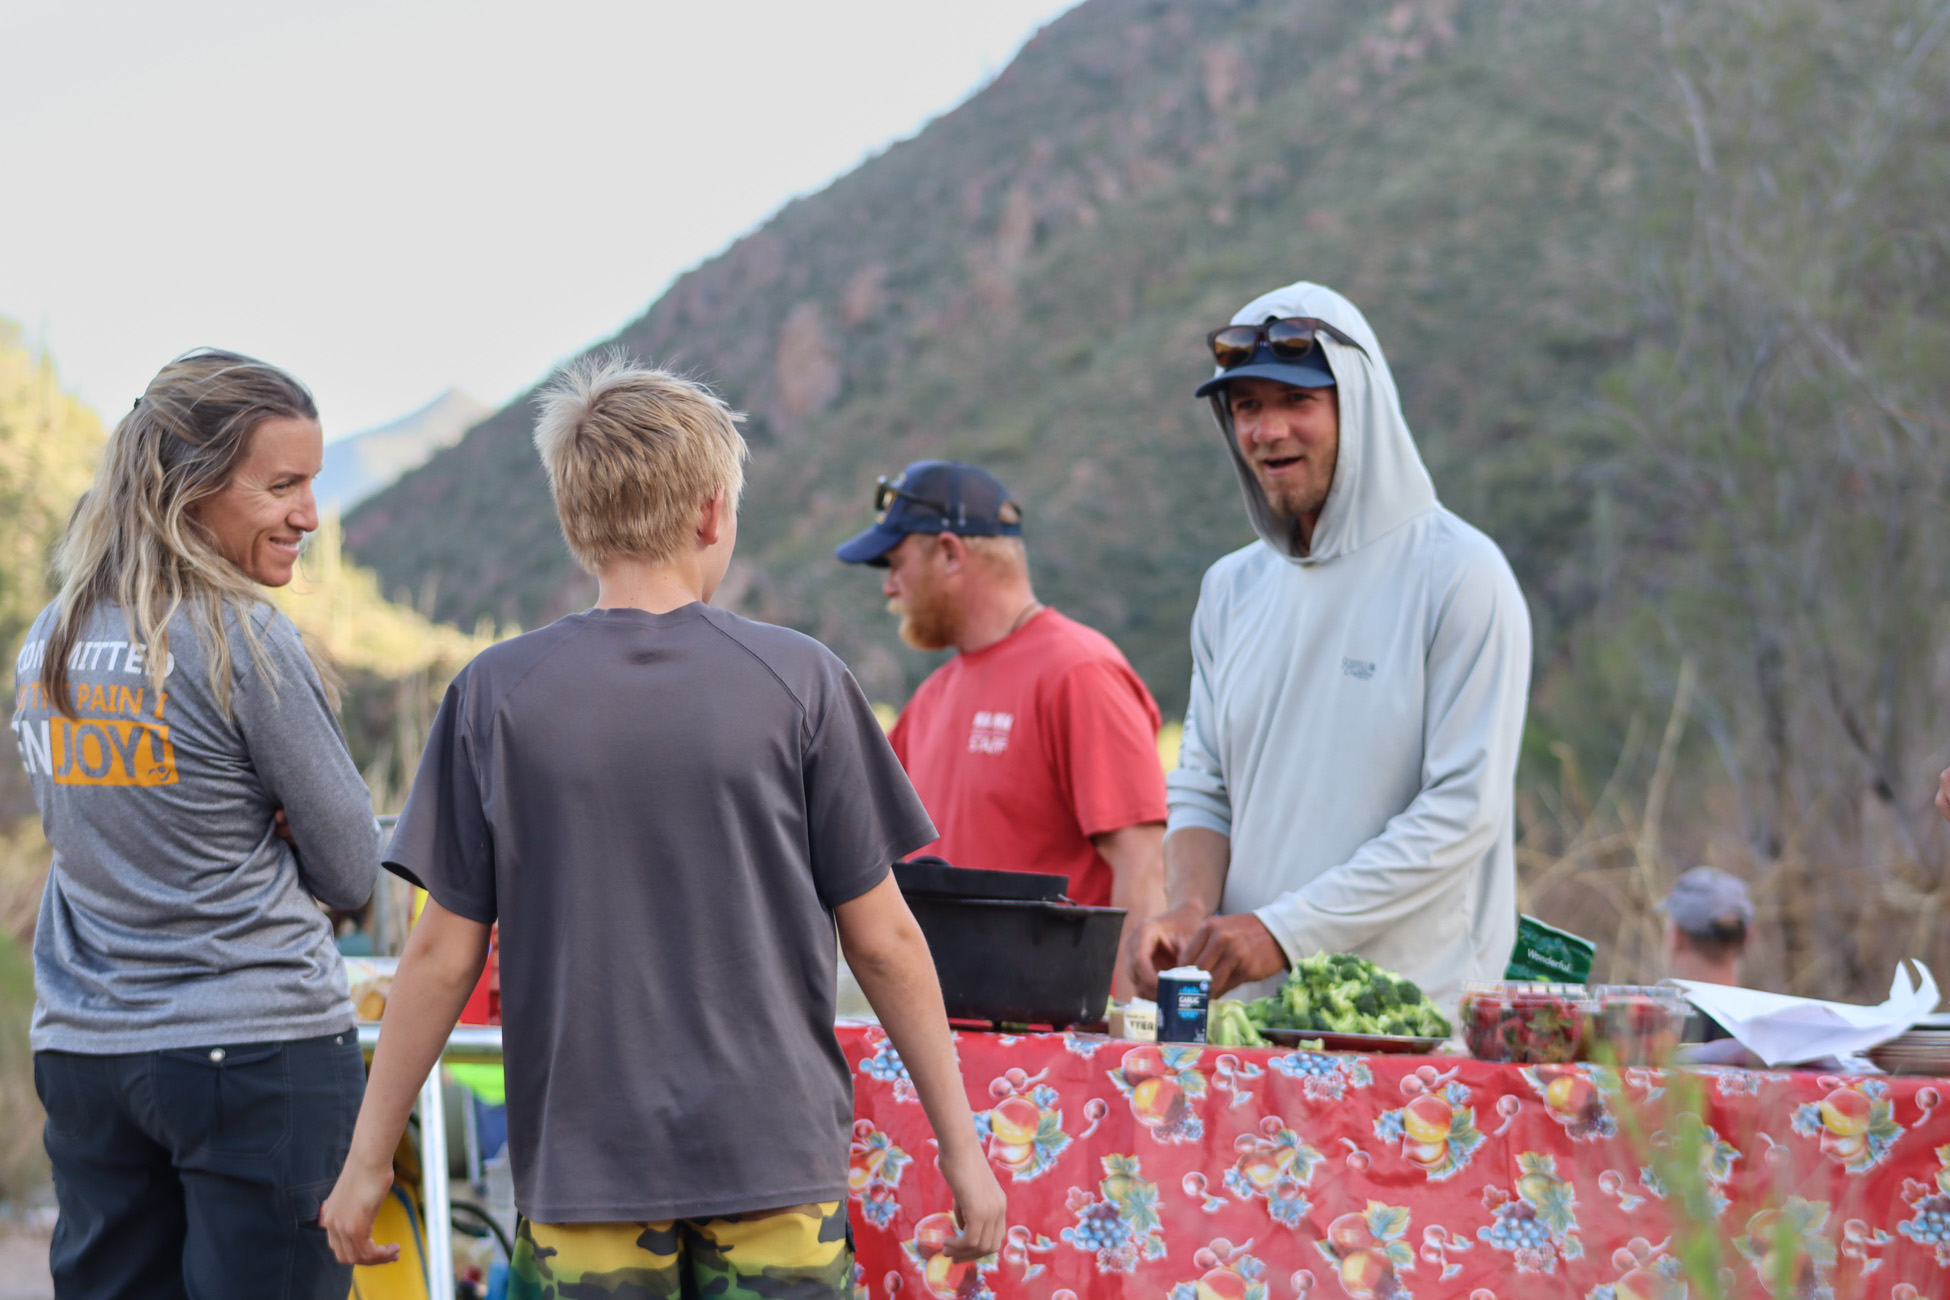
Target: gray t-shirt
[662,810]
[174,916]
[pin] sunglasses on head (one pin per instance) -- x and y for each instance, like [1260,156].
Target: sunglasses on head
[886,491]
[1288,340]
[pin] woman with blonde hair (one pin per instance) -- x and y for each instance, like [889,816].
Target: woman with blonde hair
[193,1040]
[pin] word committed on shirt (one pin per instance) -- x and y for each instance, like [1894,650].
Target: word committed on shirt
[108,743]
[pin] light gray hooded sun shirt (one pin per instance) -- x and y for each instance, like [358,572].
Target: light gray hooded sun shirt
[1356,711]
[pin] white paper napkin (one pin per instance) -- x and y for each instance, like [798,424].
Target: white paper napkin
[1781,1030]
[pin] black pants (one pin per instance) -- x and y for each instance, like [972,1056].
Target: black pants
[197,1174]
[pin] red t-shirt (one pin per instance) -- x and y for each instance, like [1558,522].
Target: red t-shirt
[1023,750]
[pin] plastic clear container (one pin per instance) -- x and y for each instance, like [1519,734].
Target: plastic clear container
[1636,1024]
[1528,1024]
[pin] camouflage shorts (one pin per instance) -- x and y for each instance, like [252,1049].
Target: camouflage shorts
[801,1253]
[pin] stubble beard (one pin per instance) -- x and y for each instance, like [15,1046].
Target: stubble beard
[1305,496]
[1292,500]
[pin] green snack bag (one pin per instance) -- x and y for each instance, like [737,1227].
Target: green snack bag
[1547,955]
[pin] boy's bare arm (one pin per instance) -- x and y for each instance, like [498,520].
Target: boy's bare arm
[440,967]
[889,957]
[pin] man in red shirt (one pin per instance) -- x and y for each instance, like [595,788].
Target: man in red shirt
[1035,747]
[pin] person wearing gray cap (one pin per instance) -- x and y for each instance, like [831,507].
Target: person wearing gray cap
[1707,915]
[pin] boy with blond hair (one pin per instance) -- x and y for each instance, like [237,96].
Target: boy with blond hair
[668,808]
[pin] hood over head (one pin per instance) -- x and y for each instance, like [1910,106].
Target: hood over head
[1379,480]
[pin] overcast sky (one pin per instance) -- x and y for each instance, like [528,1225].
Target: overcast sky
[388,198]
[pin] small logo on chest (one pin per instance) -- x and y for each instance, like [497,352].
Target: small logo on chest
[1359,669]
[991,733]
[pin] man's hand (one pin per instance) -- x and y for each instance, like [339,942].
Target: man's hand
[1137,865]
[1158,944]
[348,1213]
[981,1206]
[282,828]
[1235,950]
[1943,794]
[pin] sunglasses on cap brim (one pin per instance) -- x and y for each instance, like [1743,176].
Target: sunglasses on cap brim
[886,491]
[1289,339]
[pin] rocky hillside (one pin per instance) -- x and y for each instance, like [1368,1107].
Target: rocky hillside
[1026,284]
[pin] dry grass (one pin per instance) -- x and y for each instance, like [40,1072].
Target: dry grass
[1835,910]
[23,868]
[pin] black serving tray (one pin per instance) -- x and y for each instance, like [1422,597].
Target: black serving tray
[935,878]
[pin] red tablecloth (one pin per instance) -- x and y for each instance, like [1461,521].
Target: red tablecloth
[1242,1174]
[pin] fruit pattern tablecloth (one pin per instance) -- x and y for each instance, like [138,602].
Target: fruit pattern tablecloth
[1204,1173]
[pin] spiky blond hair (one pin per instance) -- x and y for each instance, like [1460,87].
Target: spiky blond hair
[632,453]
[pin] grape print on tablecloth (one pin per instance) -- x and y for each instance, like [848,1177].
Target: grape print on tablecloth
[1122,1229]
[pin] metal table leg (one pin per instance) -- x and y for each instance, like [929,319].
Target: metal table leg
[434,1191]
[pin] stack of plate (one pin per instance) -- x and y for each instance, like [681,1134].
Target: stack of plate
[1923,1049]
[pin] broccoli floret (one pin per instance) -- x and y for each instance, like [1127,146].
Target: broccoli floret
[1294,999]
[1340,992]
[1312,970]
[1232,1027]
[1345,994]
[1353,1022]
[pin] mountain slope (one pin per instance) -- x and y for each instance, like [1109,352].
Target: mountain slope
[1027,283]
[360,464]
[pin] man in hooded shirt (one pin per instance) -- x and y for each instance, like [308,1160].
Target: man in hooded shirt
[1359,673]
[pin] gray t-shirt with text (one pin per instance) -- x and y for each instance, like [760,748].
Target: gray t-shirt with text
[174,916]
[662,810]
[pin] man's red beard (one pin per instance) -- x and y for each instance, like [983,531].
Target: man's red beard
[927,622]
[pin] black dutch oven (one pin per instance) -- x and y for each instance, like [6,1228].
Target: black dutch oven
[1008,947]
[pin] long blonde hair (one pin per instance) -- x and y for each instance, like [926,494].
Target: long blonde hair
[134,539]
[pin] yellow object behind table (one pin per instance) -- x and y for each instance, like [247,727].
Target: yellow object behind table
[402,1219]
[405,1278]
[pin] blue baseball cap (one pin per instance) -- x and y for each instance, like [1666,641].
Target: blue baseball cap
[1309,370]
[934,496]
